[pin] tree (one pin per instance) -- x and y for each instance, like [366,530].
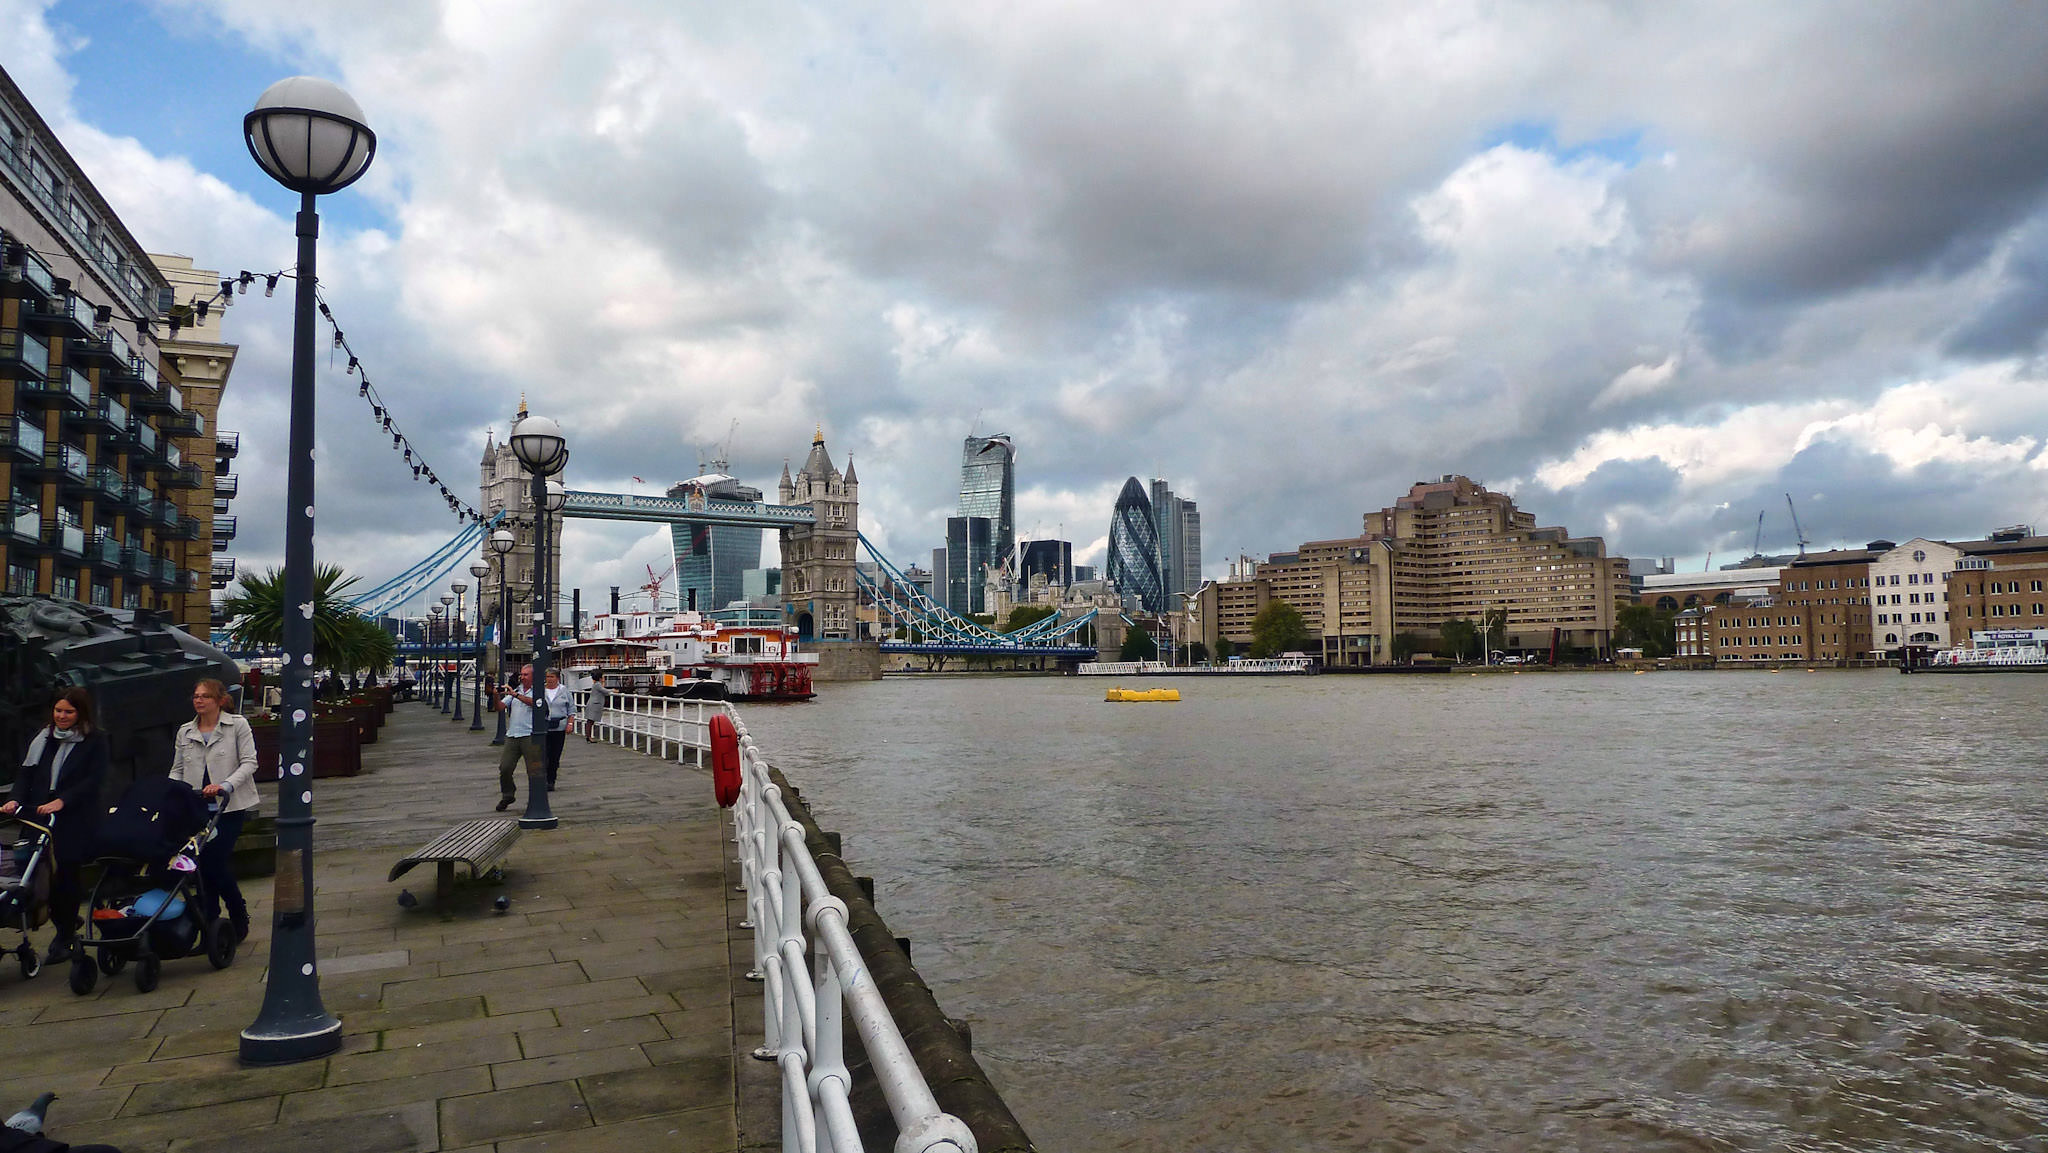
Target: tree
[1460,638]
[342,640]
[1652,630]
[1279,628]
[1024,616]
[1407,645]
[1225,649]
[1138,646]
[1196,653]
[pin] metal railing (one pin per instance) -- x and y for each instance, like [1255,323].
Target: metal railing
[667,728]
[805,1006]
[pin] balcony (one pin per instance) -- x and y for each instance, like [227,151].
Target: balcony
[136,561]
[65,315]
[107,416]
[61,387]
[226,485]
[139,378]
[187,476]
[159,397]
[110,488]
[27,276]
[164,574]
[181,528]
[173,458]
[67,539]
[102,347]
[226,445]
[104,552]
[220,506]
[223,571]
[21,525]
[124,376]
[71,467]
[185,425]
[23,355]
[144,438]
[223,531]
[21,438]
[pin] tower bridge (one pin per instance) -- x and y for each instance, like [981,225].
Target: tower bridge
[818,519]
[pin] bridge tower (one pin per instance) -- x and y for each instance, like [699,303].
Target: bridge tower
[818,588]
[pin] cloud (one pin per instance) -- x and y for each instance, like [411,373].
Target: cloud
[1646,266]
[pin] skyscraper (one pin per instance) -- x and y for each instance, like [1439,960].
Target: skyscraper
[712,561]
[1051,559]
[968,540]
[988,488]
[1134,549]
[1179,528]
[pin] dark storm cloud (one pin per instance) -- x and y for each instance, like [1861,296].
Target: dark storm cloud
[2013,322]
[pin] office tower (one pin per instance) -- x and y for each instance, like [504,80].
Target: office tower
[712,560]
[968,543]
[1134,549]
[1190,547]
[1051,559]
[1179,528]
[940,589]
[988,489]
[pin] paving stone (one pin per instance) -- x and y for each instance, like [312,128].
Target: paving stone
[212,1088]
[403,1130]
[611,1031]
[495,1026]
[696,1043]
[567,1066]
[431,1013]
[514,1113]
[690,1083]
[369,1096]
[153,1133]
[513,996]
[413,1060]
[685,1132]
[644,1004]
[398,994]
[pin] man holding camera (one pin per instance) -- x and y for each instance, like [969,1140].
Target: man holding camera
[521,739]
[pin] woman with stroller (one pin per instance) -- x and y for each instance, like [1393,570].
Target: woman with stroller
[216,753]
[61,777]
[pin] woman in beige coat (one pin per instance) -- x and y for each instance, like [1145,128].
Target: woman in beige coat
[216,753]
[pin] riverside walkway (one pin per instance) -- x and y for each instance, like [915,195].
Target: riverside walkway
[605,1011]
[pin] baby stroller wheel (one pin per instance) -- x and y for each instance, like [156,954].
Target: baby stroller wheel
[221,942]
[111,963]
[30,963]
[147,970]
[84,975]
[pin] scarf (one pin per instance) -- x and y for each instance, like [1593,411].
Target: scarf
[67,740]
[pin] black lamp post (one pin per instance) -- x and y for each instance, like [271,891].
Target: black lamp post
[502,542]
[479,570]
[310,137]
[455,628]
[447,645]
[537,442]
[437,639]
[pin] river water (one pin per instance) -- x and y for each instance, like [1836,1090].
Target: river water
[1679,911]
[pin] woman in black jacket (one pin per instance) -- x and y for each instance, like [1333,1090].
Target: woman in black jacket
[60,778]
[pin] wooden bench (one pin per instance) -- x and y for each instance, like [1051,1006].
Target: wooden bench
[478,844]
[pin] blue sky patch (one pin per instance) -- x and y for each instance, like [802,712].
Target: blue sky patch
[1623,148]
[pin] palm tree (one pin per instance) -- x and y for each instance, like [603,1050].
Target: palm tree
[342,640]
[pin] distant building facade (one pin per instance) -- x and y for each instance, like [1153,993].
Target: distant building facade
[1177,522]
[1050,560]
[712,561]
[106,465]
[818,587]
[1134,557]
[1450,550]
[970,542]
[988,489]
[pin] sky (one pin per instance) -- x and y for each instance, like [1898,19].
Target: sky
[1650,268]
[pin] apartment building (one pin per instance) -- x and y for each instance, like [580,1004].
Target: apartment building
[2000,584]
[105,498]
[1449,550]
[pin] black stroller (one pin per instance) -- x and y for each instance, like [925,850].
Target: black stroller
[146,905]
[26,866]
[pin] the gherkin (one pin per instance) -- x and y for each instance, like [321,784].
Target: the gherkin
[1134,549]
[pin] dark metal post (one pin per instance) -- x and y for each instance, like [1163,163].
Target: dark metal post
[293,1024]
[504,622]
[476,645]
[538,815]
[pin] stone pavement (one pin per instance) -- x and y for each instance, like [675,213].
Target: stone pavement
[606,1010]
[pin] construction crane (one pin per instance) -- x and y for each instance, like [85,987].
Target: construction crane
[1796,530]
[653,586]
[1756,547]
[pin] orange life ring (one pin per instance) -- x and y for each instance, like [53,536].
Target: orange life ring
[725,760]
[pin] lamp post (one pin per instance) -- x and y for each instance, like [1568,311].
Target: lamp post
[458,620]
[437,697]
[502,542]
[310,137]
[479,570]
[447,648]
[537,442]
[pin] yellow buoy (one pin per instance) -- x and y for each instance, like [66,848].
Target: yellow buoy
[1142,695]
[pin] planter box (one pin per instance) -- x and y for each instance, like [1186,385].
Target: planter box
[336,751]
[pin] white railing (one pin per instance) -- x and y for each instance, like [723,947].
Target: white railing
[804,1006]
[670,728]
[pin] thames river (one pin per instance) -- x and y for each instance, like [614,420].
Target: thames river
[1679,911]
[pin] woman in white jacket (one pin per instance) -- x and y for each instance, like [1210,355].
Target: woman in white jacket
[216,753]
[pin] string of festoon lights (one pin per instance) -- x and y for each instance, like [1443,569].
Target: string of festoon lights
[195,312]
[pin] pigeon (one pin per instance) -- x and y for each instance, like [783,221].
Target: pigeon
[502,903]
[30,1120]
[406,900]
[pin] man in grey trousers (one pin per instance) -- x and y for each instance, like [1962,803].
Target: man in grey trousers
[521,738]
